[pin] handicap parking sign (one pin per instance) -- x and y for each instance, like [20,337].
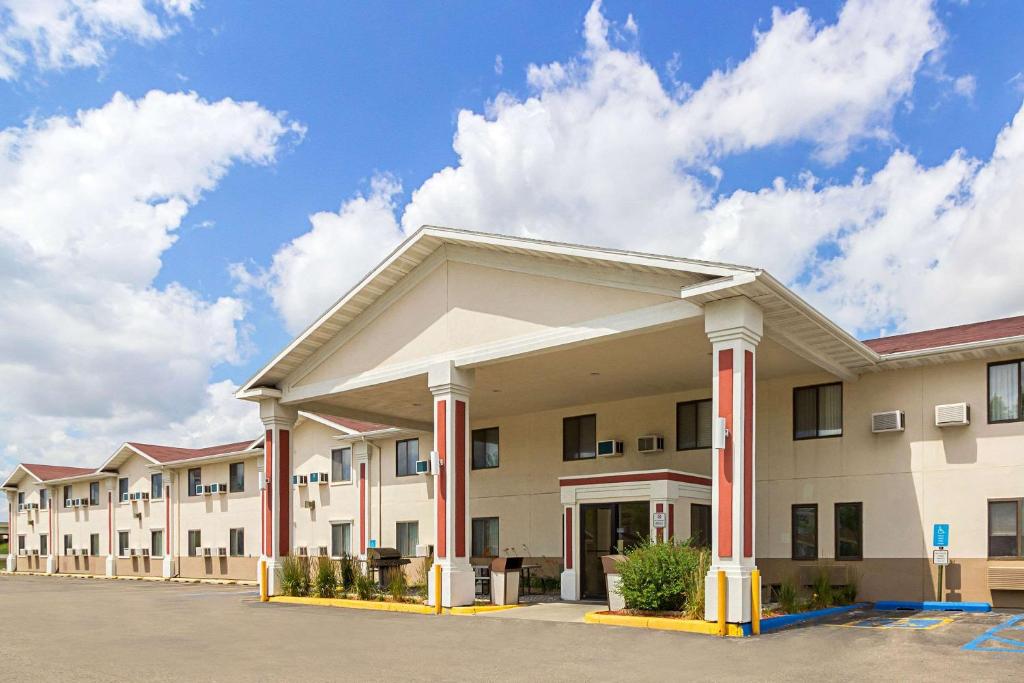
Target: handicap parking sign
[940,535]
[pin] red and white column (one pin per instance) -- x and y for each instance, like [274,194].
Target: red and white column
[364,529]
[12,559]
[167,480]
[51,556]
[110,567]
[278,421]
[735,327]
[451,387]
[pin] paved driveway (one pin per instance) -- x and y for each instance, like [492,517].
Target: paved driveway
[86,630]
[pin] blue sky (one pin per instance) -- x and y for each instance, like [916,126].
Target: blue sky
[882,124]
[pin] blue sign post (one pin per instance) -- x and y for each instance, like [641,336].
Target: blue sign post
[940,539]
[940,535]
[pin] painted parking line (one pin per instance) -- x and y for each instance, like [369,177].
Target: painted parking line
[910,623]
[1006,637]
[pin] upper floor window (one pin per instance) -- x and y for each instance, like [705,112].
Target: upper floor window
[67,495]
[818,411]
[485,448]
[1004,528]
[693,425]
[21,498]
[122,489]
[1006,391]
[156,486]
[341,464]
[579,437]
[195,478]
[44,499]
[236,477]
[407,452]
[94,493]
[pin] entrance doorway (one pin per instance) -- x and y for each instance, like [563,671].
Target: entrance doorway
[608,529]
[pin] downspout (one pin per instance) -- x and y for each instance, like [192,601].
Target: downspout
[177,524]
[380,493]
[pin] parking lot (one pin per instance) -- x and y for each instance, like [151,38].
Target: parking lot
[88,629]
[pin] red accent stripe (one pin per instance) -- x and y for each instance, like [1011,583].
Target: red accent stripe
[441,425]
[671,521]
[362,508]
[268,498]
[460,479]
[642,476]
[724,498]
[748,454]
[167,526]
[568,538]
[110,523]
[284,489]
[658,507]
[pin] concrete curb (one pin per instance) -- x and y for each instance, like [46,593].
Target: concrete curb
[709,628]
[932,606]
[480,609]
[775,623]
[404,607]
[155,579]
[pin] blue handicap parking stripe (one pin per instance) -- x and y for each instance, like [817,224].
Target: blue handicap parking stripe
[991,641]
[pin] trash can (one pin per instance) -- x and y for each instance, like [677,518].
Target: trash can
[505,580]
[611,576]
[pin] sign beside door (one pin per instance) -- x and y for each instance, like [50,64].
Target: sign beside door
[660,520]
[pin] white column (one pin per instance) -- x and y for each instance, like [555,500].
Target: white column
[363,526]
[111,494]
[51,540]
[451,388]
[167,570]
[570,585]
[12,538]
[734,327]
[278,421]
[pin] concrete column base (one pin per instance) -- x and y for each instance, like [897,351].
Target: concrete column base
[168,567]
[737,596]
[111,566]
[458,585]
[569,585]
[51,564]
[12,563]
[273,576]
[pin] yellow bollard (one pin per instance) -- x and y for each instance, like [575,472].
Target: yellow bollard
[437,589]
[721,602]
[264,588]
[755,602]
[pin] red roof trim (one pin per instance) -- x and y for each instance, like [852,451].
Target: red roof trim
[50,472]
[167,454]
[989,330]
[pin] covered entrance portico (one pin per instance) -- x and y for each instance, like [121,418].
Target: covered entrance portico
[458,331]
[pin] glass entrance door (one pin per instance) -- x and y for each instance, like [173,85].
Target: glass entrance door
[608,529]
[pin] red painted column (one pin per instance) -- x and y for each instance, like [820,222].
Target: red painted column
[441,436]
[723,493]
[363,535]
[278,421]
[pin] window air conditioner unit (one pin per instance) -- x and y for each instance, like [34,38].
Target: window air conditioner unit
[422,467]
[609,448]
[652,443]
[889,421]
[314,477]
[302,480]
[325,478]
[952,415]
[124,497]
[207,552]
[214,488]
[322,551]
[84,552]
[35,551]
[144,495]
[207,490]
[222,552]
[33,506]
[22,551]
[309,504]
[133,552]
[199,489]
[302,552]
[82,502]
[21,507]
[424,550]
[144,552]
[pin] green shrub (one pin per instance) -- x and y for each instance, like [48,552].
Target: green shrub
[398,586]
[823,594]
[655,576]
[295,576]
[366,588]
[419,587]
[693,584]
[325,580]
[847,595]
[346,573]
[788,597]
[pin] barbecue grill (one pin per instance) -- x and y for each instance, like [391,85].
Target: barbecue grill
[382,562]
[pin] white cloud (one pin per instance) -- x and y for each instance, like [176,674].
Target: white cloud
[92,349]
[59,34]
[965,86]
[604,153]
[499,65]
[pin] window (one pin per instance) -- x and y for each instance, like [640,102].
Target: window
[156,486]
[485,448]
[1006,391]
[156,543]
[94,492]
[195,541]
[94,544]
[237,542]
[407,452]
[21,498]
[805,532]
[236,477]
[693,425]
[341,539]
[44,544]
[579,437]
[1004,528]
[341,464]
[122,543]
[818,411]
[21,542]
[485,537]
[408,536]
[195,478]
[122,489]
[44,499]
[67,544]
[849,531]
[700,525]
[67,495]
